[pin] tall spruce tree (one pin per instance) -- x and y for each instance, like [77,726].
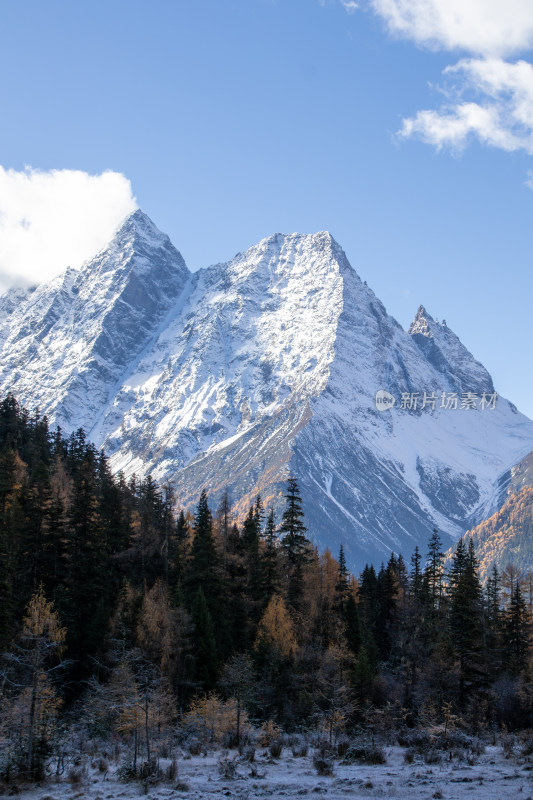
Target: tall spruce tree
[294,544]
[204,645]
[466,621]
[341,585]
[493,623]
[516,632]
[434,571]
[269,560]
[204,565]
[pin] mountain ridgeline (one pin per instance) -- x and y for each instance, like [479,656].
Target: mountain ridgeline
[236,376]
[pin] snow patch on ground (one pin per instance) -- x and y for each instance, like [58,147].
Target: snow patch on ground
[491,777]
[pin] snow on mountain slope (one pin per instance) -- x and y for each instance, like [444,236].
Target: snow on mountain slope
[246,371]
[66,343]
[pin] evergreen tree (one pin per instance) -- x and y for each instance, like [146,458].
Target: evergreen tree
[466,621]
[352,628]
[458,567]
[269,560]
[493,623]
[204,565]
[416,578]
[250,536]
[204,646]
[341,586]
[294,544]
[434,569]
[516,632]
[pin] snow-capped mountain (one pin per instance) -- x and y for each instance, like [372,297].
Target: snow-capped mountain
[239,374]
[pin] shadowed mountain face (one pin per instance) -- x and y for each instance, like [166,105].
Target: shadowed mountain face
[244,372]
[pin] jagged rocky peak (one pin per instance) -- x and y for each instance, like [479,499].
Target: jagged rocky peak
[138,225]
[446,353]
[424,323]
[140,246]
[281,253]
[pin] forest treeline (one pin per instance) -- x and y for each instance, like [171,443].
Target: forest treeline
[119,611]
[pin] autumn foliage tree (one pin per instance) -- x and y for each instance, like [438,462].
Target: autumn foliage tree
[31,702]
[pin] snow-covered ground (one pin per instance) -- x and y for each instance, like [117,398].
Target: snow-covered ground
[492,776]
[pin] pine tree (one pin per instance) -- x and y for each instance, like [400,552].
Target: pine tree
[250,537]
[341,586]
[516,632]
[352,628]
[435,569]
[493,623]
[294,544]
[458,567]
[416,578]
[466,622]
[204,645]
[269,560]
[204,565]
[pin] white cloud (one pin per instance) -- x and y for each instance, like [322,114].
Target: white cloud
[350,5]
[489,99]
[51,220]
[483,27]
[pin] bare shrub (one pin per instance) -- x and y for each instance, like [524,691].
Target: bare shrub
[433,756]
[527,744]
[171,772]
[76,775]
[365,753]
[299,748]
[126,772]
[375,755]
[194,747]
[276,747]
[247,753]
[508,746]
[420,740]
[230,740]
[323,766]
[342,746]
[149,770]
[227,767]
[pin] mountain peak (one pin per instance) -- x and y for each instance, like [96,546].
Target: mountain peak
[139,247]
[445,351]
[422,323]
[138,228]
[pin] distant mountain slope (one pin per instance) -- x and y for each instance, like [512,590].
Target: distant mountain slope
[244,372]
[507,536]
[521,474]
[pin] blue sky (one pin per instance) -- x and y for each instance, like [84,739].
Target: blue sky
[234,119]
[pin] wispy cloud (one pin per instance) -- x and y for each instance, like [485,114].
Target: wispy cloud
[488,97]
[481,27]
[51,220]
[350,5]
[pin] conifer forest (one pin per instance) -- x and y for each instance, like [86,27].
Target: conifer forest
[128,621]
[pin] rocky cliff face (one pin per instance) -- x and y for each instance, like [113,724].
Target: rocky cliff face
[244,372]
